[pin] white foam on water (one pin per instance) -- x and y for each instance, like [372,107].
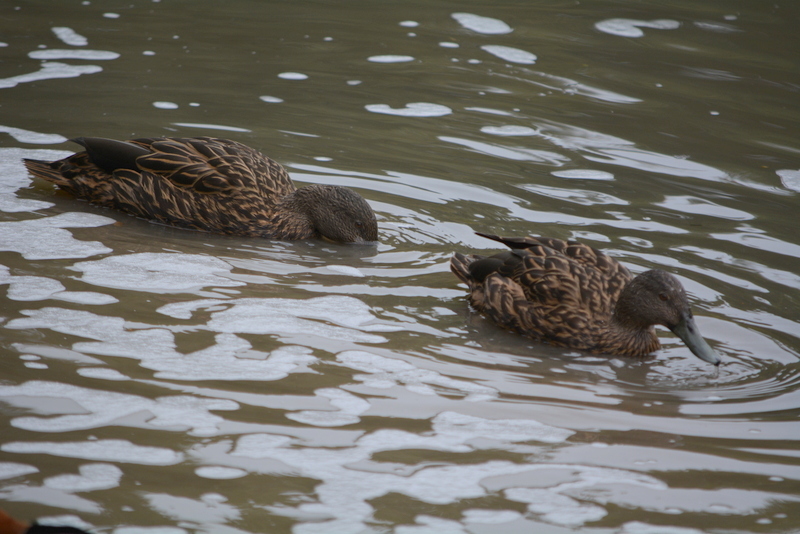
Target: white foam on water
[427,524]
[160,104]
[508,130]
[32,288]
[92,477]
[490,517]
[210,510]
[34,138]
[414,109]
[157,272]
[568,86]
[179,413]
[513,55]
[219,473]
[55,53]
[333,317]
[206,126]
[46,239]
[271,99]
[790,179]
[584,197]
[50,70]
[390,59]
[102,373]
[350,477]
[492,111]
[108,450]
[583,174]
[509,152]
[556,508]
[69,36]
[231,358]
[385,373]
[350,407]
[293,76]
[607,149]
[631,27]
[56,353]
[637,527]
[150,530]
[346,269]
[479,24]
[462,428]
[15,469]
[700,206]
[259,445]
[67,520]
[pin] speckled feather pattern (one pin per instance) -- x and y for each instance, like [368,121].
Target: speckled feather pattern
[562,292]
[202,183]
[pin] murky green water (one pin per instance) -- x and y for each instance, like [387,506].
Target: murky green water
[181,382]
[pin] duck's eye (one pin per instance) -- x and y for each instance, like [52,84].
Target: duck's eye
[359,224]
[663,296]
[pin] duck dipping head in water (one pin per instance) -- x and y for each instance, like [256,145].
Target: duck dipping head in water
[208,184]
[572,295]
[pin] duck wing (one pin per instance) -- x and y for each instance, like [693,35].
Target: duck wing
[207,165]
[201,183]
[569,271]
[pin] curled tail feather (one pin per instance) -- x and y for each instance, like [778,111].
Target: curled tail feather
[45,171]
[459,265]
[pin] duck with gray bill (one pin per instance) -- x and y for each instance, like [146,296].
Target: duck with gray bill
[572,295]
[209,184]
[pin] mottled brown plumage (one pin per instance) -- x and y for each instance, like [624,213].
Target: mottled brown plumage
[209,184]
[572,295]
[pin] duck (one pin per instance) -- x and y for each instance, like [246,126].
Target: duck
[10,525]
[572,295]
[209,184]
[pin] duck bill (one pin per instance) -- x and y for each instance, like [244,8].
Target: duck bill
[687,330]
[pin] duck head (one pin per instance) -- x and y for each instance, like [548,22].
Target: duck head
[657,297]
[338,214]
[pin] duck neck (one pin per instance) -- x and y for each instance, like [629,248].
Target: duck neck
[628,328]
[629,338]
[292,217]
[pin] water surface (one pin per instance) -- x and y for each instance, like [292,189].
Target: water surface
[174,381]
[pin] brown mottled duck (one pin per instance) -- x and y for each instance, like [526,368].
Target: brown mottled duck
[572,295]
[209,184]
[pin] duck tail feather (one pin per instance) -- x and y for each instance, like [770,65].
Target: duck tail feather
[459,264]
[510,242]
[46,171]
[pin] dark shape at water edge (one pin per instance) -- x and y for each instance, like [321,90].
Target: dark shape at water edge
[9,525]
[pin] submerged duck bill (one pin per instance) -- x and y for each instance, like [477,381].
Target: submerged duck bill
[687,330]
